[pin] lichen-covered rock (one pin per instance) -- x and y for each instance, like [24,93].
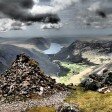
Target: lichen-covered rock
[68,108]
[99,82]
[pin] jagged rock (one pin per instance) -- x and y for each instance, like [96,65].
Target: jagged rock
[99,82]
[25,78]
[105,90]
[68,108]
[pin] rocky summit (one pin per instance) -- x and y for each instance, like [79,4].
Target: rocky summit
[25,78]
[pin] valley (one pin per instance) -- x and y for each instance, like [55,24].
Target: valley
[55,55]
[70,66]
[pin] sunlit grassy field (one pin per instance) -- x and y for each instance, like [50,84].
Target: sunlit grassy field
[90,101]
[75,69]
[42,109]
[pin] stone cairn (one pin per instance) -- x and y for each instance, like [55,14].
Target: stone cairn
[25,78]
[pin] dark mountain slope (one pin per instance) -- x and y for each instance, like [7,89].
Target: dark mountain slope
[40,42]
[74,51]
[8,54]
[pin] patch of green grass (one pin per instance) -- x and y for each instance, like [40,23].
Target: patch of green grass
[90,101]
[42,109]
[75,68]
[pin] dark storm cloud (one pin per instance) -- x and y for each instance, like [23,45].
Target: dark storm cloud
[101,14]
[103,7]
[18,9]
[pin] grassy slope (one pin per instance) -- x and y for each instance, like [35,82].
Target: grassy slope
[42,109]
[90,101]
[74,69]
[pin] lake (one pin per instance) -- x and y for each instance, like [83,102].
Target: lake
[54,48]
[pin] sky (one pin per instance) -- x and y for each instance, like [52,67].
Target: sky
[55,18]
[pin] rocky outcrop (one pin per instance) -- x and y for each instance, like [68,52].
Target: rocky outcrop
[99,82]
[25,78]
[68,108]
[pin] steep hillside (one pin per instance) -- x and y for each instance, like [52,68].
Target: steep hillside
[77,50]
[9,52]
[40,42]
